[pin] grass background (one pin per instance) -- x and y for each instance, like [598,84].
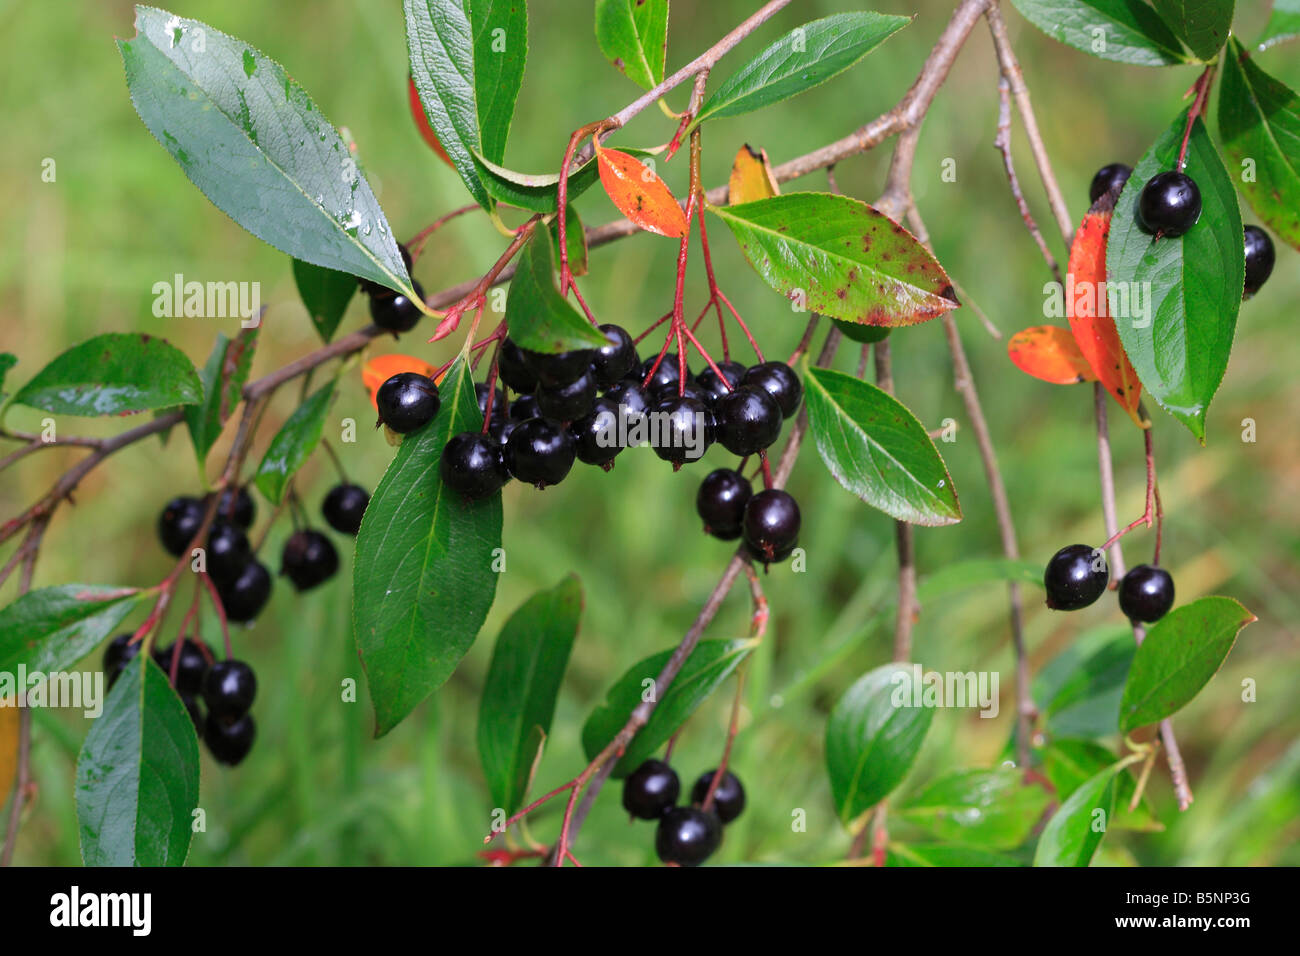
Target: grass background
[81,254]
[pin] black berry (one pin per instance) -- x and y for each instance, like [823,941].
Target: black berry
[1112,177]
[308,559]
[771,524]
[235,506]
[558,368]
[245,596]
[650,790]
[712,382]
[668,371]
[407,401]
[370,287]
[513,368]
[1260,257]
[190,667]
[229,742]
[611,362]
[394,312]
[564,403]
[1170,204]
[117,655]
[682,429]
[749,420]
[1146,593]
[229,688]
[228,552]
[472,466]
[673,389]
[195,711]
[539,452]
[1075,577]
[631,395]
[525,407]
[179,523]
[721,503]
[344,507]
[500,408]
[500,429]
[595,435]
[728,799]
[687,836]
[779,381]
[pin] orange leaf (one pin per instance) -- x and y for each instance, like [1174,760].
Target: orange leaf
[1049,352]
[639,194]
[751,177]
[1087,308]
[422,122]
[381,368]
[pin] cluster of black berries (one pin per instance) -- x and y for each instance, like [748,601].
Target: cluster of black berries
[768,521]
[1077,575]
[689,835]
[1170,204]
[390,310]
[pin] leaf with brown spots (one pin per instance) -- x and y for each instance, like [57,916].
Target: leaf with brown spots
[751,177]
[640,194]
[1049,352]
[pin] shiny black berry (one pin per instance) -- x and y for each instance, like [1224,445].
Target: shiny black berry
[771,524]
[728,798]
[500,429]
[668,390]
[681,429]
[1112,177]
[191,666]
[308,559]
[1146,593]
[525,407]
[611,362]
[472,465]
[668,371]
[370,287]
[236,507]
[539,452]
[779,381]
[117,655]
[228,552]
[650,790]
[344,507]
[500,408]
[179,523]
[229,687]
[245,596]
[631,395]
[721,503]
[1169,204]
[513,368]
[407,401]
[596,434]
[749,420]
[564,403]
[229,741]
[713,383]
[1260,257]
[1075,577]
[394,312]
[558,368]
[688,836]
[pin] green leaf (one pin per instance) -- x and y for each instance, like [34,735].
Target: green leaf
[708,666]
[423,579]
[877,449]
[974,572]
[1079,691]
[1075,831]
[997,808]
[114,374]
[1127,31]
[1259,122]
[518,702]
[1283,25]
[7,361]
[539,192]
[325,293]
[1069,763]
[1201,24]
[138,774]
[940,854]
[805,57]
[633,35]
[1182,651]
[575,237]
[223,379]
[50,629]
[500,51]
[257,146]
[293,444]
[1180,347]
[539,318]
[838,256]
[873,736]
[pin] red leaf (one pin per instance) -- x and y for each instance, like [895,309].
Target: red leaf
[422,122]
[639,194]
[1049,352]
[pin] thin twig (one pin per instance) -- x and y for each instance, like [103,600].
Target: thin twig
[1003,144]
[905,618]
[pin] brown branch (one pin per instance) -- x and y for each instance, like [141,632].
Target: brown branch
[1002,142]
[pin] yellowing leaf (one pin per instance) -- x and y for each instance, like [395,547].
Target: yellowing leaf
[751,177]
[1049,352]
[640,194]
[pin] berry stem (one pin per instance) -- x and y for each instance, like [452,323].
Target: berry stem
[804,342]
[475,297]
[1202,88]
[658,322]
[1149,514]
[221,612]
[416,245]
[334,457]
[491,389]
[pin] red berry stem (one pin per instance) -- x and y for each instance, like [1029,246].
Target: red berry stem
[416,245]
[1202,88]
[1149,514]
[491,389]
[221,613]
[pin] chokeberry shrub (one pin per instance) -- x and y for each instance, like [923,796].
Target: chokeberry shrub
[535,391]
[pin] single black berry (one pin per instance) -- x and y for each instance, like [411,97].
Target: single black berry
[1112,177]
[681,429]
[191,666]
[721,503]
[631,395]
[771,524]
[1075,577]
[500,408]
[713,383]
[344,507]
[370,287]
[179,523]
[669,370]
[596,434]
[728,798]
[407,401]
[499,430]
[749,420]
[539,452]
[692,389]
[650,790]
[779,381]
[564,403]
[1260,257]
[472,466]
[1170,204]
[245,596]
[687,836]
[119,652]
[229,687]
[394,312]
[195,710]
[229,741]
[558,368]
[611,362]
[513,368]
[525,407]
[235,506]
[228,552]
[1146,593]
[308,559]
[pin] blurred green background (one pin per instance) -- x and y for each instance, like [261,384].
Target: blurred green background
[81,254]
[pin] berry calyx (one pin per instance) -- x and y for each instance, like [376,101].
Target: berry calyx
[1075,577]
[472,466]
[191,667]
[558,368]
[228,552]
[713,383]
[1169,204]
[244,597]
[229,688]
[308,559]
[771,524]
[595,435]
[344,507]
[1108,178]
[564,403]
[685,429]
[1260,257]
[687,836]
[539,452]
[611,362]
[651,790]
[779,381]
[513,368]
[394,312]
[235,506]
[229,741]
[728,798]
[748,420]
[407,401]
[721,502]
[179,523]
[1146,593]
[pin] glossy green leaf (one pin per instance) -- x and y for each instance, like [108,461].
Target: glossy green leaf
[836,255]
[539,318]
[575,237]
[1259,124]
[1127,31]
[873,736]
[940,854]
[1283,24]
[633,35]
[877,449]
[257,146]
[7,361]
[805,57]
[50,629]
[1078,826]
[138,774]
[223,379]
[1179,346]
[500,51]
[1079,691]
[114,374]
[1201,24]
[1069,763]
[1182,651]
[975,572]
[423,579]
[523,682]
[709,665]
[325,293]
[293,444]
[996,808]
